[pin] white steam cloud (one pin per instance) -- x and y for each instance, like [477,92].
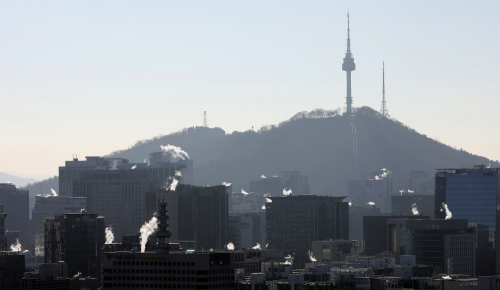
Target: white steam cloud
[175,151]
[289,260]
[268,200]
[287,191]
[444,207]
[267,244]
[110,237]
[173,185]
[178,173]
[370,203]
[244,192]
[16,247]
[226,183]
[414,209]
[311,256]
[134,167]
[147,230]
[350,203]
[262,176]
[384,174]
[54,193]
[230,246]
[257,247]
[447,277]
[263,206]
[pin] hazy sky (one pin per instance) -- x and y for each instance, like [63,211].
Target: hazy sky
[91,77]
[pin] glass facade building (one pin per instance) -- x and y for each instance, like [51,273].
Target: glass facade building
[472,194]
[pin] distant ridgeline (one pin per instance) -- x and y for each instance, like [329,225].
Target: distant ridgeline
[324,145]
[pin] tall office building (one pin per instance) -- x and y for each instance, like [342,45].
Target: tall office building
[247,229]
[293,222]
[47,206]
[167,268]
[77,239]
[473,194]
[375,232]
[161,162]
[16,204]
[448,245]
[3,236]
[356,214]
[417,181]
[375,190]
[274,185]
[196,213]
[408,204]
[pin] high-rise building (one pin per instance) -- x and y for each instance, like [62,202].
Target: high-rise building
[274,185]
[335,250]
[3,236]
[473,194]
[166,268]
[371,191]
[348,66]
[356,214]
[293,222]
[161,162]
[12,267]
[418,182]
[448,245]
[77,239]
[48,206]
[16,204]
[407,204]
[375,232]
[246,230]
[197,213]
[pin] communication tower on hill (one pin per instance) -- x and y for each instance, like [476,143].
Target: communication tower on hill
[348,66]
[205,119]
[383,110]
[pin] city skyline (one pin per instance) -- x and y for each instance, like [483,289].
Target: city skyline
[104,81]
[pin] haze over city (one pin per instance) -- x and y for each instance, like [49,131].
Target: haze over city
[91,78]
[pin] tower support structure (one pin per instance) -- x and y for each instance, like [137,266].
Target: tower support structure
[383,109]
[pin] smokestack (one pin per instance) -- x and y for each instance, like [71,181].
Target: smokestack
[163,233]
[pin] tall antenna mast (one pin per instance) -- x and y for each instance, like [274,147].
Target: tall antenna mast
[205,119]
[383,110]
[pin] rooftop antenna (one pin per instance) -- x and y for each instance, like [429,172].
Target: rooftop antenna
[205,119]
[383,110]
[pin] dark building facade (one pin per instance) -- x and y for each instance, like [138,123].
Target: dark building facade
[375,232]
[197,213]
[11,270]
[293,222]
[403,205]
[76,239]
[356,214]
[16,205]
[473,194]
[447,245]
[247,229]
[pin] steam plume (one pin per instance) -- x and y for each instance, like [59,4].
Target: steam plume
[414,209]
[133,167]
[175,151]
[370,203]
[311,256]
[54,193]
[262,176]
[444,206]
[447,277]
[267,244]
[287,191]
[268,200]
[147,230]
[173,185]
[16,247]
[257,247]
[230,246]
[226,183]
[263,206]
[384,174]
[110,237]
[244,192]
[178,173]
[289,260]
[350,203]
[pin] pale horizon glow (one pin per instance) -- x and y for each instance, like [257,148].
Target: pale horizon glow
[94,77]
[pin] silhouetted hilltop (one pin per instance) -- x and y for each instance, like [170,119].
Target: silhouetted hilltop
[319,143]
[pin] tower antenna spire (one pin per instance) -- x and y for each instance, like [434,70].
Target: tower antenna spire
[383,110]
[348,66]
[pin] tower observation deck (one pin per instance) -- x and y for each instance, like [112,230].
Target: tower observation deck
[348,66]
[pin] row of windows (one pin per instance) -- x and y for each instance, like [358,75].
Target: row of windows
[217,286]
[189,264]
